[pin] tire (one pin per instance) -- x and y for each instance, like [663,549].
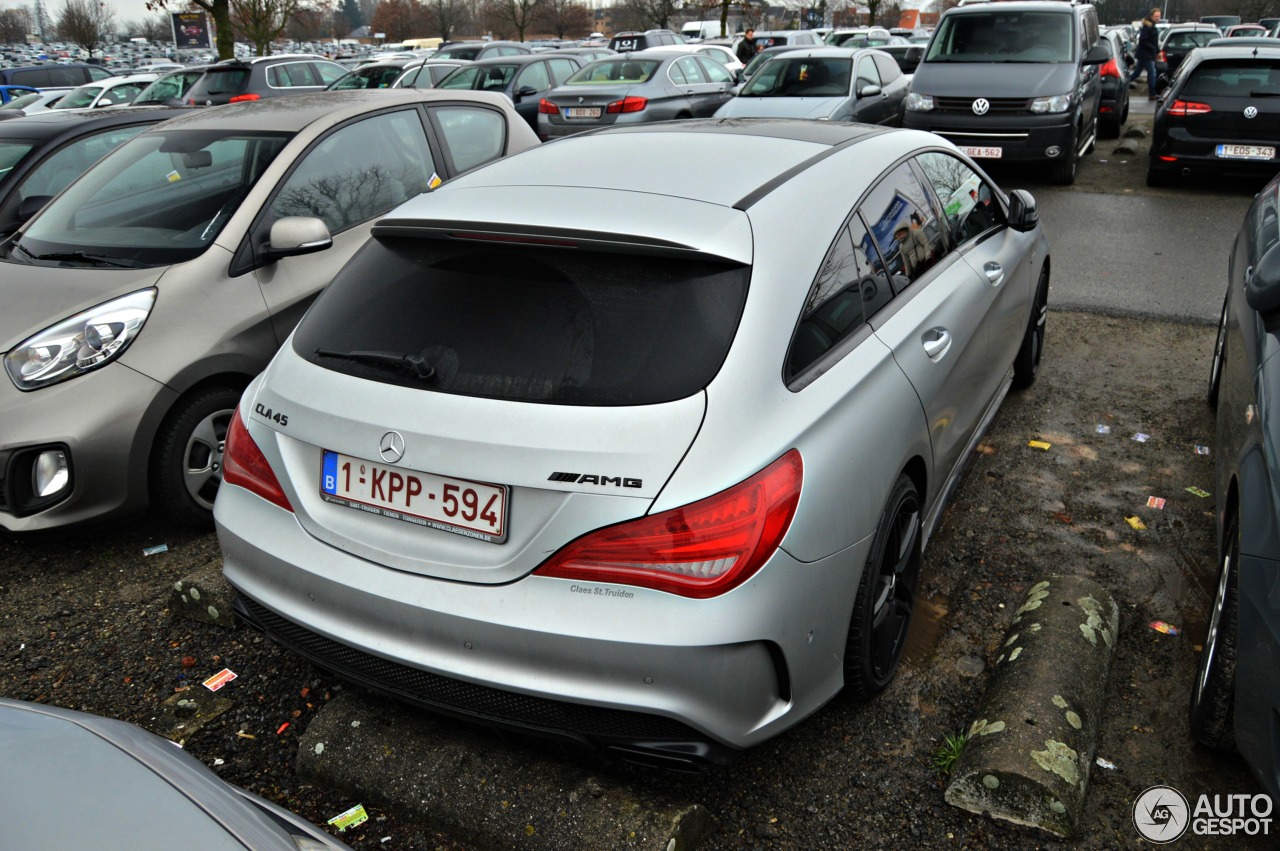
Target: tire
[1213,694]
[1215,368]
[1026,366]
[186,466]
[1063,172]
[886,596]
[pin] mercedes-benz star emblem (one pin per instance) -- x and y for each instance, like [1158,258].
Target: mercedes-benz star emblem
[391,447]
[1250,112]
[980,106]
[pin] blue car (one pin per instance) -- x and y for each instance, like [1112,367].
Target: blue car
[1235,699]
[8,93]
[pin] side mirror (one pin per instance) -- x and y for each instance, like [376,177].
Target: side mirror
[31,205]
[1023,215]
[295,235]
[1262,283]
[525,91]
[1097,55]
[869,91]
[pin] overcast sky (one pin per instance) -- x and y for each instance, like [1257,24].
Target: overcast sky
[126,10]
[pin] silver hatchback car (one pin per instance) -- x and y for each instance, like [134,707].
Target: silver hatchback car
[609,442]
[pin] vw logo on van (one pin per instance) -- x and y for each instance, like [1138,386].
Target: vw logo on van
[980,106]
[1250,112]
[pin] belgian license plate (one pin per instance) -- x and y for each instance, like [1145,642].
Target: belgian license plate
[583,112]
[474,509]
[1246,152]
[980,152]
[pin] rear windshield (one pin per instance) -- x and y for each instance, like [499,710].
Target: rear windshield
[218,82]
[1249,78]
[170,87]
[1189,39]
[614,71]
[79,99]
[369,78]
[458,53]
[995,36]
[799,77]
[481,77]
[529,324]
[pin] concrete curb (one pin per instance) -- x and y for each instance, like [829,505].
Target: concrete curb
[468,784]
[1029,753]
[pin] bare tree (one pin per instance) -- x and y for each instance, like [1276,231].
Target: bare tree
[399,19]
[219,13]
[86,23]
[518,14]
[650,13]
[310,24]
[154,28]
[260,22]
[446,17]
[562,17]
[14,25]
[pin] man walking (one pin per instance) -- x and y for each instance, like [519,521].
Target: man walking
[747,47]
[1148,47]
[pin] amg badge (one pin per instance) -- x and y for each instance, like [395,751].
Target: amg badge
[588,479]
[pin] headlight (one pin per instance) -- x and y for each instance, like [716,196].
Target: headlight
[919,103]
[85,341]
[1057,103]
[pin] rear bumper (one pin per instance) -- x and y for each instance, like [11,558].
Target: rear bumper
[648,674]
[1176,150]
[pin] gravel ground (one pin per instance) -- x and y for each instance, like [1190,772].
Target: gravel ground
[84,623]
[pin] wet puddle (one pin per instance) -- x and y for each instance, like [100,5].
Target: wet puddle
[926,626]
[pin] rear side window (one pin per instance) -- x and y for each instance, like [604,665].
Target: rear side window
[967,200]
[215,83]
[291,75]
[472,135]
[1264,224]
[903,225]
[530,324]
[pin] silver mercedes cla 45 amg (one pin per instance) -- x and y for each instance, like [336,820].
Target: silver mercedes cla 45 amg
[610,442]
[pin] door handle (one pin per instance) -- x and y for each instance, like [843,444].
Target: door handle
[936,342]
[994,273]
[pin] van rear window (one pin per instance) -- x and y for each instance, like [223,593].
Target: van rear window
[528,324]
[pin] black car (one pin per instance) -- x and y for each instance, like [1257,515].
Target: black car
[907,56]
[1235,699]
[375,75]
[1221,114]
[42,154]
[53,75]
[1013,81]
[630,42]
[1113,107]
[238,80]
[1178,42]
[524,79]
[475,50]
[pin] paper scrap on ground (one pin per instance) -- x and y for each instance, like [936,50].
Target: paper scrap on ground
[1141,438]
[1166,628]
[159,548]
[1202,450]
[1103,429]
[1135,522]
[219,679]
[1155,502]
[1105,763]
[352,817]
[1198,492]
[1039,444]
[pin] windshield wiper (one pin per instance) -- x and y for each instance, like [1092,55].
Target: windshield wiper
[415,365]
[85,257]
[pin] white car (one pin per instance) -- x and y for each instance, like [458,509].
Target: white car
[113,91]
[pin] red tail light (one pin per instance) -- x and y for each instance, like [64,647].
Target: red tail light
[546,107]
[246,466]
[1187,107]
[243,98]
[1111,68]
[699,550]
[1163,58]
[627,104]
